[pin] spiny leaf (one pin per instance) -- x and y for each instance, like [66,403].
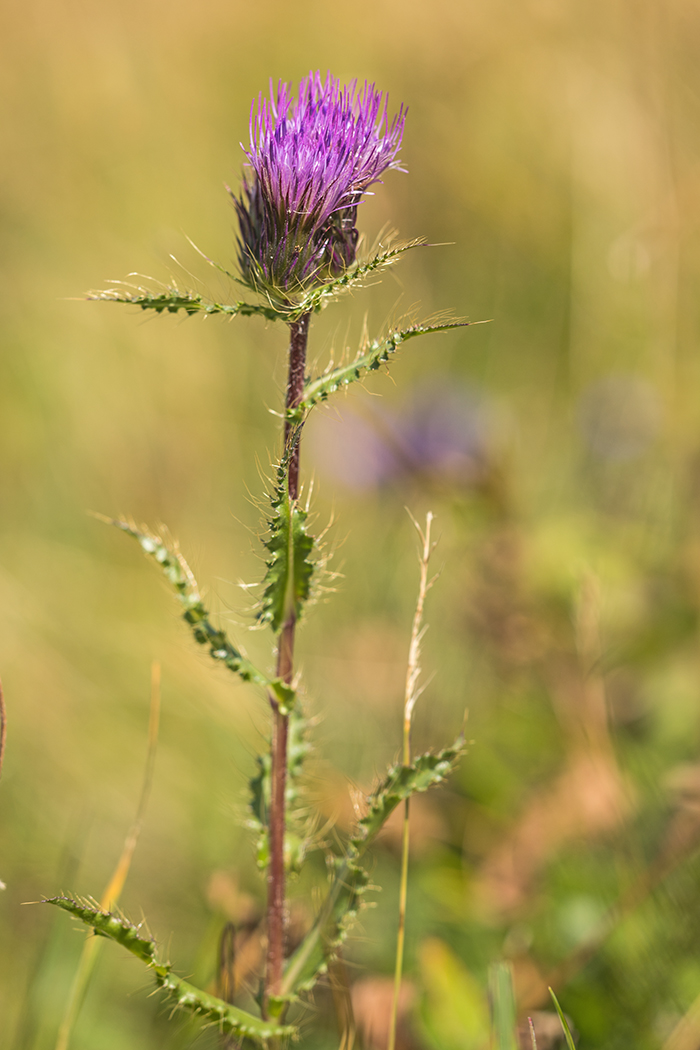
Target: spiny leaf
[109,924]
[295,839]
[229,1019]
[354,277]
[287,582]
[179,574]
[350,881]
[289,570]
[172,299]
[377,354]
[338,912]
[400,783]
[567,1031]
[260,793]
[278,305]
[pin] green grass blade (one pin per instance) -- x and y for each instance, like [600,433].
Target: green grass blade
[567,1031]
[533,1037]
[503,1007]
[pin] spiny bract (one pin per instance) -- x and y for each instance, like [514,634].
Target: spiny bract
[312,159]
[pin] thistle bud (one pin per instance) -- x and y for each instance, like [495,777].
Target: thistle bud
[311,160]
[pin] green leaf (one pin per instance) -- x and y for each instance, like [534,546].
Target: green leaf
[296,840]
[400,783]
[354,277]
[369,360]
[229,1019]
[109,924]
[338,912]
[503,1007]
[260,793]
[287,582]
[567,1031]
[349,881]
[179,574]
[171,299]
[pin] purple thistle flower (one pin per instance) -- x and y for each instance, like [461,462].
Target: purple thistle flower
[312,160]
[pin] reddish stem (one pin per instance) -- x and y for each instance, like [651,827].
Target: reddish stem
[295,392]
[276,911]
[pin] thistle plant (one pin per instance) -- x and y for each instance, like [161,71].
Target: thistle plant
[311,159]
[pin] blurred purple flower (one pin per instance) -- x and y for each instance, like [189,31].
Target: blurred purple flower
[312,159]
[445,433]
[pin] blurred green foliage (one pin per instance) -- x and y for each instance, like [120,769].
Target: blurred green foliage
[554,145]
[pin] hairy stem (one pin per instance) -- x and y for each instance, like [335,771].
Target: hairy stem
[299,333]
[276,913]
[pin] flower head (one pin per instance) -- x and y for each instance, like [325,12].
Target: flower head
[312,159]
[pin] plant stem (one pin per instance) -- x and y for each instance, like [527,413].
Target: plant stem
[401,935]
[276,912]
[411,695]
[299,334]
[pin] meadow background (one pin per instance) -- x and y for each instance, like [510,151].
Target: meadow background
[555,145]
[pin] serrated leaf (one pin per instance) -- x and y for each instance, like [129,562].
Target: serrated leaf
[171,299]
[400,783]
[229,1019]
[340,908]
[287,582]
[259,804]
[295,838]
[179,574]
[354,277]
[349,880]
[109,924]
[377,353]
[564,1023]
